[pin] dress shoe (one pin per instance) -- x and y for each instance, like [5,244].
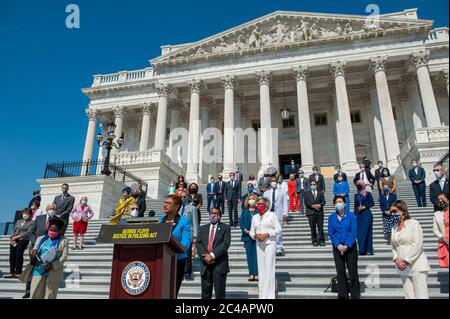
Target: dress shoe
[280,254]
[26,296]
[9,276]
[315,244]
[322,243]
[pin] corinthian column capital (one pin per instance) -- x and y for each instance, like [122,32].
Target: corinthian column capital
[263,77]
[163,88]
[301,73]
[338,68]
[92,114]
[377,64]
[443,76]
[419,59]
[147,108]
[195,85]
[119,111]
[228,81]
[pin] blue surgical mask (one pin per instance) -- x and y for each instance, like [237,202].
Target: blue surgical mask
[250,189]
[385,174]
[386,190]
[339,206]
[313,187]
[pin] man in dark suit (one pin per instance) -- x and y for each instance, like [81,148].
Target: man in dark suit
[232,198]
[264,182]
[210,193]
[364,175]
[339,172]
[219,192]
[238,177]
[64,205]
[314,202]
[140,199]
[302,188]
[440,185]
[367,163]
[293,168]
[417,177]
[379,175]
[213,242]
[39,228]
[318,178]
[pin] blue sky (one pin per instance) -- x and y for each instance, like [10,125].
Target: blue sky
[44,65]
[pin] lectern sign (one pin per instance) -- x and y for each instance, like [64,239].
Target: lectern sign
[135,234]
[136,278]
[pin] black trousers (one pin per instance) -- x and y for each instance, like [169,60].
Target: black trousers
[316,225]
[220,202]
[419,192]
[211,200]
[233,211]
[181,264]
[16,256]
[188,266]
[210,279]
[350,260]
[66,223]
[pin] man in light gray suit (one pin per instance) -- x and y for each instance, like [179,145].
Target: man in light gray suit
[64,205]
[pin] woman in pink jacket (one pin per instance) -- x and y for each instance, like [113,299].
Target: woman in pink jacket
[81,213]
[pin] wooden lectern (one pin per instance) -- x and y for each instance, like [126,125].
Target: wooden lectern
[144,263]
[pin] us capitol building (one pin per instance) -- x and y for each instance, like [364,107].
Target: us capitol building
[336,88]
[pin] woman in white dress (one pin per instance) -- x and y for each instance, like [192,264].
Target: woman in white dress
[265,228]
[408,254]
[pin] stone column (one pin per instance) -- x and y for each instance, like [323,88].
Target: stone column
[304,123]
[377,66]
[90,136]
[119,113]
[228,125]
[161,119]
[376,119]
[175,108]
[265,144]
[366,102]
[238,145]
[333,104]
[407,113]
[194,132]
[443,76]
[348,160]
[145,130]
[205,102]
[415,105]
[420,61]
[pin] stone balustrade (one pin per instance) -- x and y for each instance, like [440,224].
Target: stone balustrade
[123,77]
[149,157]
[438,35]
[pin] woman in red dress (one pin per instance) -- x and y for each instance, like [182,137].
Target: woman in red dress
[81,214]
[440,229]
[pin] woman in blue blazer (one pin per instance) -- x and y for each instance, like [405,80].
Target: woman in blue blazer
[181,230]
[245,222]
[364,218]
[342,230]
[341,188]
[389,220]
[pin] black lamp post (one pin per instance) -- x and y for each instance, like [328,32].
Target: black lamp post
[109,144]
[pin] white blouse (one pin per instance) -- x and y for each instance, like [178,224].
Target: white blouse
[268,223]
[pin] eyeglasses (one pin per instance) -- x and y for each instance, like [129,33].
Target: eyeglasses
[168,203]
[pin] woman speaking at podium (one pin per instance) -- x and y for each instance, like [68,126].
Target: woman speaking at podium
[181,230]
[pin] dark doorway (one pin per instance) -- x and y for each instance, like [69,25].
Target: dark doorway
[285,164]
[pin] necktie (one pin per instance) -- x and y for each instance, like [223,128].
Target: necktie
[62,199]
[220,187]
[273,201]
[362,176]
[211,239]
[315,195]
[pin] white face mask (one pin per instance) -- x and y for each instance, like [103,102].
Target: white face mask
[251,203]
[25,216]
[273,184]
[368,189]
[51,213]
[84,202]
[134,212]
[414,164]
[437,174]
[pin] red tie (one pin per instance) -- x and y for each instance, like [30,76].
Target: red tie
[211,240]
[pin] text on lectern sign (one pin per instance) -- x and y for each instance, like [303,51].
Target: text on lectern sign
[135,234]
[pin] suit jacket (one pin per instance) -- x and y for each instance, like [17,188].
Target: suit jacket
[38,229]
[408,245]
[281,203]
[435,189]
[293,170]
[55,275]
[217,188]
[309,201]
[232,193]
[221,243]
[63,209]
[438,225]
[305,185]
[370,177]
[379,173]
[385,204]
[414,177]
[208,188]
[264,184]
[23,229]
[344,177]
[36,198]
[140,201]
[320,182]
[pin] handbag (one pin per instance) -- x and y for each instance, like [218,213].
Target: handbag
[334,284]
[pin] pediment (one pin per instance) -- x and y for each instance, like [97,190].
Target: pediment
[289,29]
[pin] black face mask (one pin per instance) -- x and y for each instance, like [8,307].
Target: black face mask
[194,190]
